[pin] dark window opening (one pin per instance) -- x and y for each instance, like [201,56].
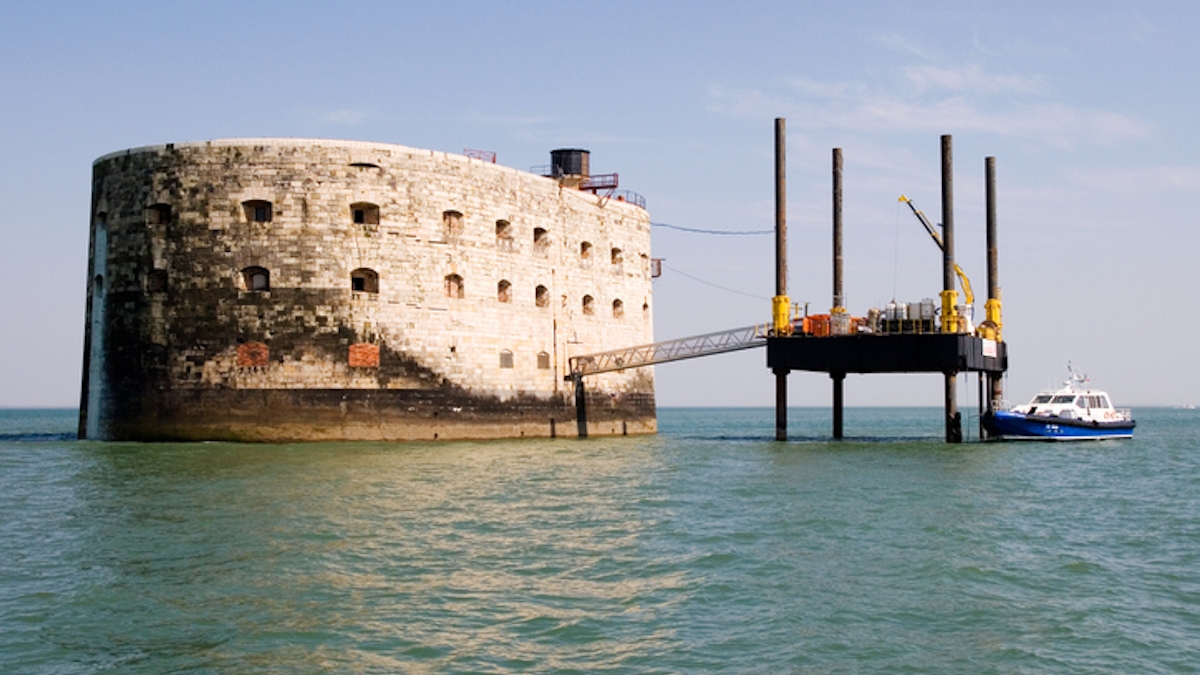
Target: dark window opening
[506,359]
[365,213]
[258,211]
[454,286]
[452,225]
[543,361]
[504,236]
[364,280]
[256,279]
[156,281]
[617,256]
[541,296]
[541,241]
[585,250]
[504,291]
[618,309]
[158,214]
[589,305]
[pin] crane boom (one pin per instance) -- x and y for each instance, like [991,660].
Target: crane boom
[968,294]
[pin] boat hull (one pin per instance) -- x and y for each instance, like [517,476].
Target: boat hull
[1012,425]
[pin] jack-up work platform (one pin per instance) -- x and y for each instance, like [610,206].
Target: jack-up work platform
[903,339]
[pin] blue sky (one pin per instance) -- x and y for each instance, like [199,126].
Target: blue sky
[1089,109]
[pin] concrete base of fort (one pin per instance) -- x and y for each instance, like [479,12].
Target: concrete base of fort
[290,415]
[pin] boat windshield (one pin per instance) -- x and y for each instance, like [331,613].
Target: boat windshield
[1042,398]
[1064,398]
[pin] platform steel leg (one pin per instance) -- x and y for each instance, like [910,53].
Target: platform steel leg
[838,380]
[781,403]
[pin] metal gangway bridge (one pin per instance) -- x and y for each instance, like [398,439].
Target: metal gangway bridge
[658,352]
[671,350]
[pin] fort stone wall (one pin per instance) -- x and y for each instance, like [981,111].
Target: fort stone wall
[284,289]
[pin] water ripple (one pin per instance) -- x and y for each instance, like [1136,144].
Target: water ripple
[706,548]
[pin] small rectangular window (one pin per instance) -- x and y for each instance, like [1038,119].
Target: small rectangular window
[258,211]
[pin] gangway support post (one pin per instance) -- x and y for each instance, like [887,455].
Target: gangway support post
[581,429]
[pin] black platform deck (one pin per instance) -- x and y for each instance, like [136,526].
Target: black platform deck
[911,353]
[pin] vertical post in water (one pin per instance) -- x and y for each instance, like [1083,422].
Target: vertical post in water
[838,402]
[995,388]
[780,302]
[580,407]
[949,296]
[839,296]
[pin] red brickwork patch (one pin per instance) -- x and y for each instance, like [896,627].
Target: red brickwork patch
[364,355]
[252,354]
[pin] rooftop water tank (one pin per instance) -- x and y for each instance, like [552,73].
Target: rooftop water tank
[569,162]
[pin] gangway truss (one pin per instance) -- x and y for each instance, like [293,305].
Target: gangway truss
[671,350]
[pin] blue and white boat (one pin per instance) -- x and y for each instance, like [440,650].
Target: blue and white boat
[1072,413]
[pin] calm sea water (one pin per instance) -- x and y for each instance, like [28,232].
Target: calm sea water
[708,548]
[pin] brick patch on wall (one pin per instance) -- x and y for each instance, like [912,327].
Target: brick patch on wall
[364,355]
[253,354]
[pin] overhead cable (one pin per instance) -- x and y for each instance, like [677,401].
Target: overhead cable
[699,231]
[709,283]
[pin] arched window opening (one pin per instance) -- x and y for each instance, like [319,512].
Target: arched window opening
[541,241]
[365,213]
[543,361]
[256,279]
[452,226]
[454,286]
[504,291]
[617,256]
[618,309]
[541,296]
[258,211]
[364,280]
[589,305]
[506,358]
[158,214]
[585,250]
[504,235]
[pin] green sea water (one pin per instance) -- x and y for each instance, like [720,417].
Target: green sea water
[707,548]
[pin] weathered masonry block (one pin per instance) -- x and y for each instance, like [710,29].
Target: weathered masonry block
[284,289]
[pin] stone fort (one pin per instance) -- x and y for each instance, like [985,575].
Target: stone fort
[287,289]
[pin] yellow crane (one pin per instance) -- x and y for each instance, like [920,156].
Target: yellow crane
[968,294]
